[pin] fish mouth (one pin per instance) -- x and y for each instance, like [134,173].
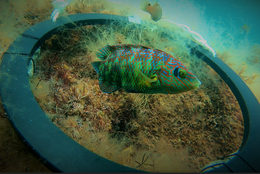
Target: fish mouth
[196,83]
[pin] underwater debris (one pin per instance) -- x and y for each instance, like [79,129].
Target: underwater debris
[143,161]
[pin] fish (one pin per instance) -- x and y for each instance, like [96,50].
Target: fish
[141,69]
[155,10]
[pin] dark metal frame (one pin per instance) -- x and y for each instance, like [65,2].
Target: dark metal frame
[62,154]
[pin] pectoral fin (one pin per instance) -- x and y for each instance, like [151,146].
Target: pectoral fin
[144,79]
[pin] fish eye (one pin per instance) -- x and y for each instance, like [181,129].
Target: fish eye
[182,73]
[149,4]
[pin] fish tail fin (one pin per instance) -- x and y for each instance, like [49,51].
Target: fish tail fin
[96,65]
[104,52]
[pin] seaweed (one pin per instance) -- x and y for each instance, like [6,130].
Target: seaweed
[207,121]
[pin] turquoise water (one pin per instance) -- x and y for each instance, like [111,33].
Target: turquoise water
[228,13]
[241,11]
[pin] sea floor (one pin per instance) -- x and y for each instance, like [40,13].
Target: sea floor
[151,132]
[14,155]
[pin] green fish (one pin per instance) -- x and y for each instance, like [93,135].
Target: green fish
[141,69]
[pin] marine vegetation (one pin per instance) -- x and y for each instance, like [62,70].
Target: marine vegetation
[150,132]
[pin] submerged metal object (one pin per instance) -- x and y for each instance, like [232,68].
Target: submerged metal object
[52,145]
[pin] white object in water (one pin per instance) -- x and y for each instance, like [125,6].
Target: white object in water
[134,19]
[196,36]
[59,6]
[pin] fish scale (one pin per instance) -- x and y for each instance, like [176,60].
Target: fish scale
[141,69]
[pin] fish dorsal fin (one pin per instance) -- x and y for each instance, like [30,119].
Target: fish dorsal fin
[142,46]
[129,46]
[105,52]
[107,87]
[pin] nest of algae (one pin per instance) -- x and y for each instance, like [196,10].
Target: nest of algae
[151,132]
